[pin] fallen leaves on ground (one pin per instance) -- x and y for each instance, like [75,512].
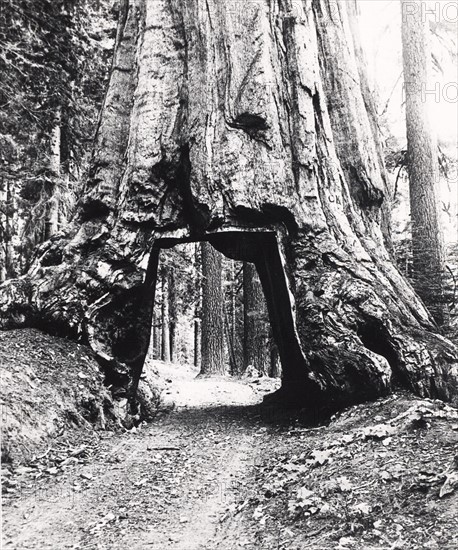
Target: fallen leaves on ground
[380,475]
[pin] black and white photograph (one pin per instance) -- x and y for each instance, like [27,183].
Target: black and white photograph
[229,274]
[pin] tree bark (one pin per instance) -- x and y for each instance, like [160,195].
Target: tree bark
[256,352]
[165,317]
[198,306]
[233,370]
[212,335]
[156,340]
[197,342]
[248,127]
[172,314]
[52,217]
[422,164]
[9,211]
[231,322]
[275,366]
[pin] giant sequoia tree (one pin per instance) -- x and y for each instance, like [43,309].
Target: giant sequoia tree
[250,126]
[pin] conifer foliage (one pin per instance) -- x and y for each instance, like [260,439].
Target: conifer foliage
[54,62]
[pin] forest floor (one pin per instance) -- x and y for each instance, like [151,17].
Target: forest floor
[222,472]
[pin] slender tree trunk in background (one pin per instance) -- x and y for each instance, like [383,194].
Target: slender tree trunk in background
[52,217]
[212,312]
[9,242]
[275,365]
[65,203]
[230,346]
[2,264]
[165,318]
[3,216]
[65,197]
[233,303]
[427,239]
[231,321]
[157,320]
[9,254]
[157,337]
[197,343]
[70,172]
[154,337]
[255,336]
[172,315]
[5,228]
[197,306]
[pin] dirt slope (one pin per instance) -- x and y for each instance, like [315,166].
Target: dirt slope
[53,389]
[48,386]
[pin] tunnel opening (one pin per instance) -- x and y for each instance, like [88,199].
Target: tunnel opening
[375,338]
[257,326]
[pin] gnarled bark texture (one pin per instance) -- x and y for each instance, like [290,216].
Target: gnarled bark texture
[246,125]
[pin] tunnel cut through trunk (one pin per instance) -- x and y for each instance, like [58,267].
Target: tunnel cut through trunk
[264,250]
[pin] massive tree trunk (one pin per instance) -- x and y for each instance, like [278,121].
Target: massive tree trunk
[246,126]
[256,349]
[427,240]
[212,329]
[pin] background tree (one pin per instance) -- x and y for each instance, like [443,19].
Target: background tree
[165,315]
[177,315]
[212,347]
[54,62]
[427,241]
[8,212]
[256,341]
[233,297]
[173,312]
[198,306]
[176,298]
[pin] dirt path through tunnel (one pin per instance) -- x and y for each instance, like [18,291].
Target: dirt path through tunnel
[221,473]
[168,485]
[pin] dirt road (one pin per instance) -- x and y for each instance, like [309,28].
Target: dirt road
[167,485]
[221,473]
